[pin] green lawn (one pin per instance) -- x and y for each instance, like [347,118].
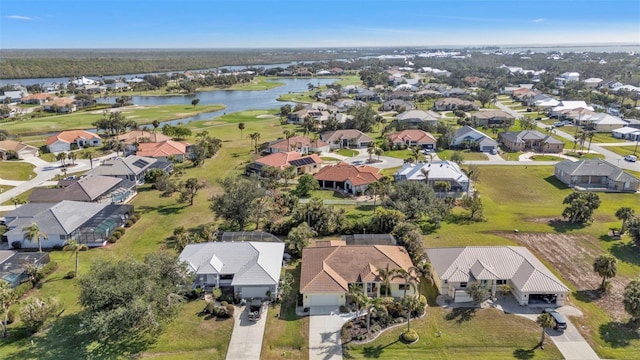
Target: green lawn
[584,156]
[327,195]
[546,158]
[390,171]
[16,170]
[347,152]
[623,150]
[22,198]
[327,158]
[606,138]
[463,334]
[468,155]
[83,120]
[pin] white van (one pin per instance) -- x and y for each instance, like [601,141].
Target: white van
[631,158]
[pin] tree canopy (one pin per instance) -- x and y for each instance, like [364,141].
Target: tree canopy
[412,198]
[581,206]
[235,204]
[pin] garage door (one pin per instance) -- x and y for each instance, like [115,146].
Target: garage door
[254,291]
[325,300]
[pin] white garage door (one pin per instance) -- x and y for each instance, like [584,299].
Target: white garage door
[325,300]
[254,291]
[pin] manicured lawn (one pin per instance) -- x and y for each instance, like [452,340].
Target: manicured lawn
[16,170]
[623,150]
[83,120]
[402,154]
[347,152]
[468,155]
[327,195]
[606,138]
[584,156]
[463,334]
[390,171]
[546,158]
[327,158]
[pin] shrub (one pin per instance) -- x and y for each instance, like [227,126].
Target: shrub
[231,309]
[128,223]
[224,303]
[16,245]
[36,312]
[222,312]
[409,336]
[120,230]
[70,275]
[11,316]
[210,308]
[48,268]
[117,235]
[343,309]
[112,239]
[22,289]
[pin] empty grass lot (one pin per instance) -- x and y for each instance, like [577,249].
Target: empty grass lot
[623,150]
[15,170]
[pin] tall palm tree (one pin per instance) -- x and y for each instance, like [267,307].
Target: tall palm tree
[606,266]
[75,247]
[408,277]
[241,127]
[410,302]
[546,322]
[359,297]
[33,233]
[385,275]
[625,214]
[371,305]
[378,152]
[423,272]
[375,188]
[89,155]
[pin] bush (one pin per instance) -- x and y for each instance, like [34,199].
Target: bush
[16,245]
[117,235]
[112,239]
[120,230]
[409,336]
[11,316]
[70,275]
[224,303]
[48,268]
[343,309]
[22,289]
[231,309]
[128,223]
[222,312]
[210,308]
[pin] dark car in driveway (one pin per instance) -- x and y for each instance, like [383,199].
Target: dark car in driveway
[561,322]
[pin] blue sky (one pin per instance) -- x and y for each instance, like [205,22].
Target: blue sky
[319,23]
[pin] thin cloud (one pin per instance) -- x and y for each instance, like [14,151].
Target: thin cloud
[18,17]
[539,20]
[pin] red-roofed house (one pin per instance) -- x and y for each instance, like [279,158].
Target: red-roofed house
[413,137]
[281,160]
[38,99]
[301,144]
[165,149]
[62,141]
[348,178]
[61,105]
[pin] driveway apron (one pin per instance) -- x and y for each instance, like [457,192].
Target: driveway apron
[246,339]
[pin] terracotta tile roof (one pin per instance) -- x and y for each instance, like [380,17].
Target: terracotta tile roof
[333,268]
[40,96]
[60,102]
[421,137]
[140,136]
[488,114]
[71,136]
[357,175]
[296,142]
[283,160]
[13,145]
[163,148]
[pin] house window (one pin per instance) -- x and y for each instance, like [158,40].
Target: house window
[63,237]
[226,277]
[463,285]
[404,287]
[501,282]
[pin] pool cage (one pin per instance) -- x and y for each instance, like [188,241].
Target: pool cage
[97,230]
[260,236]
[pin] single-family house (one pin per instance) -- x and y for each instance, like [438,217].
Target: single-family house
[473,80]
[165,150]
[450,104]
[398,105]
[492,117]
[400,94]
[592,83]
[413,137]
[15,149]
[602,122]
[416,117]
[596,175]
[87,223]
[309,164]
[468,137]
[60,105]
[301,144]
[12,95]
[38,99]
[132,167]
[627,133]
[437,173]
[118,87]
[346,138]
[545,101]
[89,188]
[348,104]
[250,269]
[530,281]
[328,271]
[13,265]
[348,178]
[569,105]
[530,140]
[453,92]
[366,95]
[132,138]
[297,117]
[63,141]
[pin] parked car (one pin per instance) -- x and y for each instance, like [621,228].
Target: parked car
[567,122]
[357,162]
[494,151]
[561,323]
[558,124]
[631,158]
[255,309]
[538,118]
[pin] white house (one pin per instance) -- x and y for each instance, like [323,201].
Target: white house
[473,137]
[438,172]
[62,141]
[627,133]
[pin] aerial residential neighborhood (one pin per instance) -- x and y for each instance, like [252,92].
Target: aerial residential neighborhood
[413,187]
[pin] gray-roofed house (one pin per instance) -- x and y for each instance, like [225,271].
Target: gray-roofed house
[132,167]
[439,172]
[492,117]
[251,269]
[346,138]
[415,117]
[90,188]
[397,105]
[530,281]
[87,223]
[595,174]
[530,140]
[467,136]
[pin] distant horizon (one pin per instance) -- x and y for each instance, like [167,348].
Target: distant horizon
[270,24]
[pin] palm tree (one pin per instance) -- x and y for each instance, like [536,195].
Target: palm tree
[33,233]
[7,298]
[375,188]
[605,266]
[546,322]
[425,173]
[378,152]
[408,277]
[75,247]
[423,272]
[62,156]
[72,156]
[252,136]
[257,139]
[241,127]
[371,305]
[89,155]
[410,302]
[155,124]
[589,136]
[386,275]
[625,214]
[357,293]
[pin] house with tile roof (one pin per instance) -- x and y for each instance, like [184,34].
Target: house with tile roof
[60,105]
[19,150]
[87,223]
[89,188]
[348,178]
[413,137]
[595,175]
[81,138]
[530,281]
[346,138]
[327,272]
[301,144]
[38,99]
[437,173]
[468,137]
[491,117]
[177,150]
[417,117]
[132,138]
[450,104]
[310,164]
[250,269]
[530,140]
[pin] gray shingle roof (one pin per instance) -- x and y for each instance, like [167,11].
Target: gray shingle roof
[519,137]
[61,218]
[595,167]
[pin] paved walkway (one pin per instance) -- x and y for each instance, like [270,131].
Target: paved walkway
[246,339]
[325,324]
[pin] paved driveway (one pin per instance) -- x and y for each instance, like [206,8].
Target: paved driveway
[324,333]
[246,339]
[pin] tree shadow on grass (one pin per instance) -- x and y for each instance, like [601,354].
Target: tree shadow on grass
[459,219]
[563,226]
[375,351]
[627,252]
[364,207]
[589,295]
[171,209]
[524,354]
[556,183]
[618,334]
[462,314]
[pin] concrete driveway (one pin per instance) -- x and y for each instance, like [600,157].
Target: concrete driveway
[324,333]
[246,339]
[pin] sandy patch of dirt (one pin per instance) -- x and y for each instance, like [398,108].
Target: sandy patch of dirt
[265,116]
[572,256]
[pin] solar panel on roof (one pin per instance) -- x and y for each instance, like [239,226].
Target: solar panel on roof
[140,163]
[302,161]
